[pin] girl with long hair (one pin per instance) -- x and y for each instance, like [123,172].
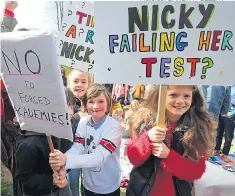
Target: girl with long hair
[167,160]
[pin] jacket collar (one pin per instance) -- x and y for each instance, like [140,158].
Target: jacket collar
[97,125]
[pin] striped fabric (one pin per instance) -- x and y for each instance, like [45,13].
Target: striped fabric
[108,145]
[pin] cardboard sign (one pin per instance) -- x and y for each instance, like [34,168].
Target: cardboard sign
[31,73]
[165,42]
[75,44]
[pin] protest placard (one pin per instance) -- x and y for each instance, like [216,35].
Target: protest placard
[75,44]
[31,73]
[165,42]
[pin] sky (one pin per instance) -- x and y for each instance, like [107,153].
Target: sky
[36,14]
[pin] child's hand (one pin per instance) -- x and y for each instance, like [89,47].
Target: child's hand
[61,183]
[60,174]
[160,150]
[59,178]
[157,134]
[57,160]
[229,114]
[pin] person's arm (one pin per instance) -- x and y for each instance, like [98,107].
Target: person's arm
[26,163]
[108,144]
[184,168]
[139,149]
[9,22]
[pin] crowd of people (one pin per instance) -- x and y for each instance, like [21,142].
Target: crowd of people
[166,160]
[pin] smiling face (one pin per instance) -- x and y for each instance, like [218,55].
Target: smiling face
[134,105]
[78,83]
[97,107]
[178,101]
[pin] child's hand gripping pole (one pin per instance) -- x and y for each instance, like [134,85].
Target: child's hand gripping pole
[56,173]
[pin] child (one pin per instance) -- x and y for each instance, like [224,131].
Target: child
[168,168]
[96,148]
[78,83]
[73,175]
[32,162]
[132,108]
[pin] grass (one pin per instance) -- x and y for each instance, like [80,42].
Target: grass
[6,189]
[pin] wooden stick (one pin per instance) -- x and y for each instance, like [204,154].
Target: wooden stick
[161,113]
[50,143]
[161,106]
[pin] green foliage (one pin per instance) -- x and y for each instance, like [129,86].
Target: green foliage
[6,189]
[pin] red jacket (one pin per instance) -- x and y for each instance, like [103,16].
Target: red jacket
[139,149]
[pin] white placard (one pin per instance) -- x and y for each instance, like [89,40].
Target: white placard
[75,44]
[166,42]
[31,72]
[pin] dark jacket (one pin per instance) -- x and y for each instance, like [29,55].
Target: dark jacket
[32,160]
[143,176]
[32,164]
